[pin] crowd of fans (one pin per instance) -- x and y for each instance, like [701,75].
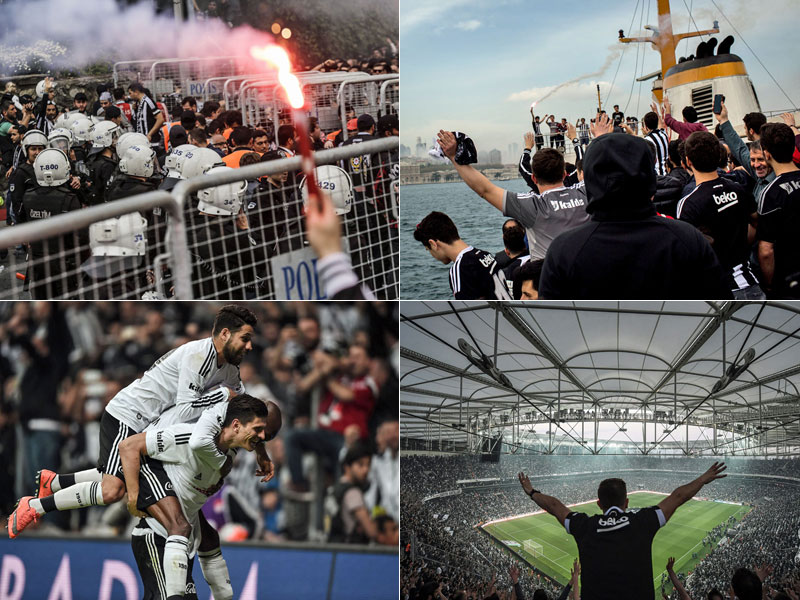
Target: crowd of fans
[332,369]
[128,141]
[661,208]
[445,552]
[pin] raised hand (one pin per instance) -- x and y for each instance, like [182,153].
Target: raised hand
[601,126]
[526,484]
[528,138]
[788,118]
[670,564]
[447,141]
[713,473]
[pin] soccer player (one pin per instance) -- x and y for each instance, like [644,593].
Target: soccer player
[187,380]
[180,472]
[615,547]
[475,274]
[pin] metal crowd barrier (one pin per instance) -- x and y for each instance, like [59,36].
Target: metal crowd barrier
[261,253]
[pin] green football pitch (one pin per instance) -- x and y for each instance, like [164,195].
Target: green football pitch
[680,537]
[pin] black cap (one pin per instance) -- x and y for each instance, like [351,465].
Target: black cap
[364,122]
[388,122]
[619,173]
[178,136]
[112,112]
[25,99]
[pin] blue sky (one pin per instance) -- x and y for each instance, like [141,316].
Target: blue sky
[476,65]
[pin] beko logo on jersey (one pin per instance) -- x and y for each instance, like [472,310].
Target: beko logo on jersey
[725,198]
[562,204]
[612,521]
[487,260]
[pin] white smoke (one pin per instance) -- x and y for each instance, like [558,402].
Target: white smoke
[102,30]
[533,93]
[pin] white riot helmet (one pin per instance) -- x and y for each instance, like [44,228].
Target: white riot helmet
[201,161]
[225,199]
[33,137]
[61,139]
[51,167]
[126,140]
[336,183]
[121,236]
[81,130]
[105,134]
[138,161]
[174,160]
[66,119]
[40,88]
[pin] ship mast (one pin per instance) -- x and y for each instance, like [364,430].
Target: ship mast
[664,40]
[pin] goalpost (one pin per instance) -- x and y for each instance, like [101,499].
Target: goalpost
[533,548]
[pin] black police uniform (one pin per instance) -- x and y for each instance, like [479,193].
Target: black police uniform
[46,255]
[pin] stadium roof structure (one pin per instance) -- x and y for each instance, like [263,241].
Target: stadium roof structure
[680,378]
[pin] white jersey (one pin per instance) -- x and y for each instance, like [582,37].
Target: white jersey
[191,478]
[180,386]
[204,435]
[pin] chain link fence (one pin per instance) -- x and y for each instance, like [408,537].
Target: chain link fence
[161,245]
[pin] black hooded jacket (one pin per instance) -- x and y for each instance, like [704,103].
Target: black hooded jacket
[626,250]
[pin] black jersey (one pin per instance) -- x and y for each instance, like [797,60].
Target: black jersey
[615,552]
[475,275]
[778,224]
[721,210]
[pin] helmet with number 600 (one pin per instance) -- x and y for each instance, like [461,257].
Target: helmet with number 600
[225,199]
[120,236]
[51,167]
[138,161]
[335,182]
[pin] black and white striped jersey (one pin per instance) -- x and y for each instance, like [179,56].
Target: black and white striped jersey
[177,388]
[660,143]
[475,275]
[146,114]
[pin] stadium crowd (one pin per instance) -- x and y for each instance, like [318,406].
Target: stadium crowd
[330,367]
[668,199]
[127,141]
[444,549]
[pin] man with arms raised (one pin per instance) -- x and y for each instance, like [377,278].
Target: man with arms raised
[615,547]
[160,464]
[545,215]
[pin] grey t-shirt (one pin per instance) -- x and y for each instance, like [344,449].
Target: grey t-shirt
[546,216]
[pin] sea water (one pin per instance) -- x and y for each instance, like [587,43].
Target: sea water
[479,224]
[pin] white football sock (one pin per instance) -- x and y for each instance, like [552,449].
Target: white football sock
[79,495]
[215,571]
[64,481]
[176,565]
